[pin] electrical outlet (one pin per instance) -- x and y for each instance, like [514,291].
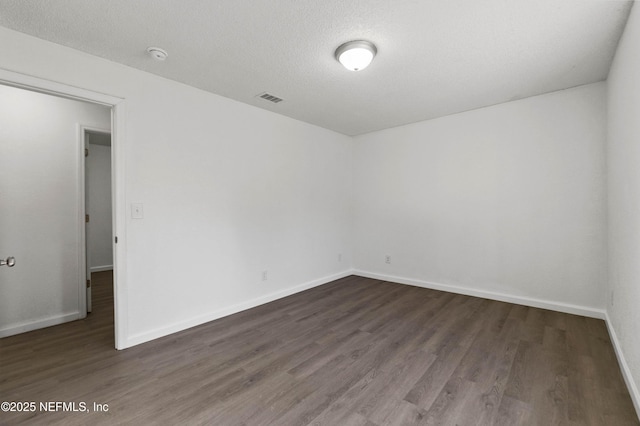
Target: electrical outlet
[136,211]
[264,275]
[387,259]
[339,257]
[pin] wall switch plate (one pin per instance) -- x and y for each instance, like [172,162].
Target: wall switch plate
[136,211]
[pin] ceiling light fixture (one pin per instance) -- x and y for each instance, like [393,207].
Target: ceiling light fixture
[157,53]
[356,55]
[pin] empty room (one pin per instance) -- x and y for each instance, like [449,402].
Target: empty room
[370,213]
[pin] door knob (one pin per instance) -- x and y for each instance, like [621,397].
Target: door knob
[10,261]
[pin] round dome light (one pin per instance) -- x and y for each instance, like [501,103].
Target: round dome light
[356,55]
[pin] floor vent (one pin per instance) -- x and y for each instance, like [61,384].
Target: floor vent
[269,97]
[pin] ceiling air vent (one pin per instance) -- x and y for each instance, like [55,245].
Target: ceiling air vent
[269,97]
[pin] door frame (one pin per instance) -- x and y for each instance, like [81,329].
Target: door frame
[82,208]
[118,194]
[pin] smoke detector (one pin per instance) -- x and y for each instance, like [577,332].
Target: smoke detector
[157,53]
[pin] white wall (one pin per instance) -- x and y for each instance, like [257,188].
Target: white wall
[99,193]
[39,197]
[229,190]
[507,200]
[623,154]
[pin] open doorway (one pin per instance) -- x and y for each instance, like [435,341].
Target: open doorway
[117,107]
[43,212]
[98,210]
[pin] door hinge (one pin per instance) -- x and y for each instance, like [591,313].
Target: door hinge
[86,152]
[86,218]
[88,283]
[116,240]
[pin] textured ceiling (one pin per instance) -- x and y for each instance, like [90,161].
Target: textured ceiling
[435,57]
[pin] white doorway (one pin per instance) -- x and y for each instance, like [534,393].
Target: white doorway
[36,289]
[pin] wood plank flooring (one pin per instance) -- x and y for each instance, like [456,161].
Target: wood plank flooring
[353,352]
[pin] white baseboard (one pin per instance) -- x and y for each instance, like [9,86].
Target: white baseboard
[624,367]
[502,297]
[42,323]
[183,325]
[101,268]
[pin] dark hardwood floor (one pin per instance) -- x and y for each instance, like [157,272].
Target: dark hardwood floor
[353,352]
